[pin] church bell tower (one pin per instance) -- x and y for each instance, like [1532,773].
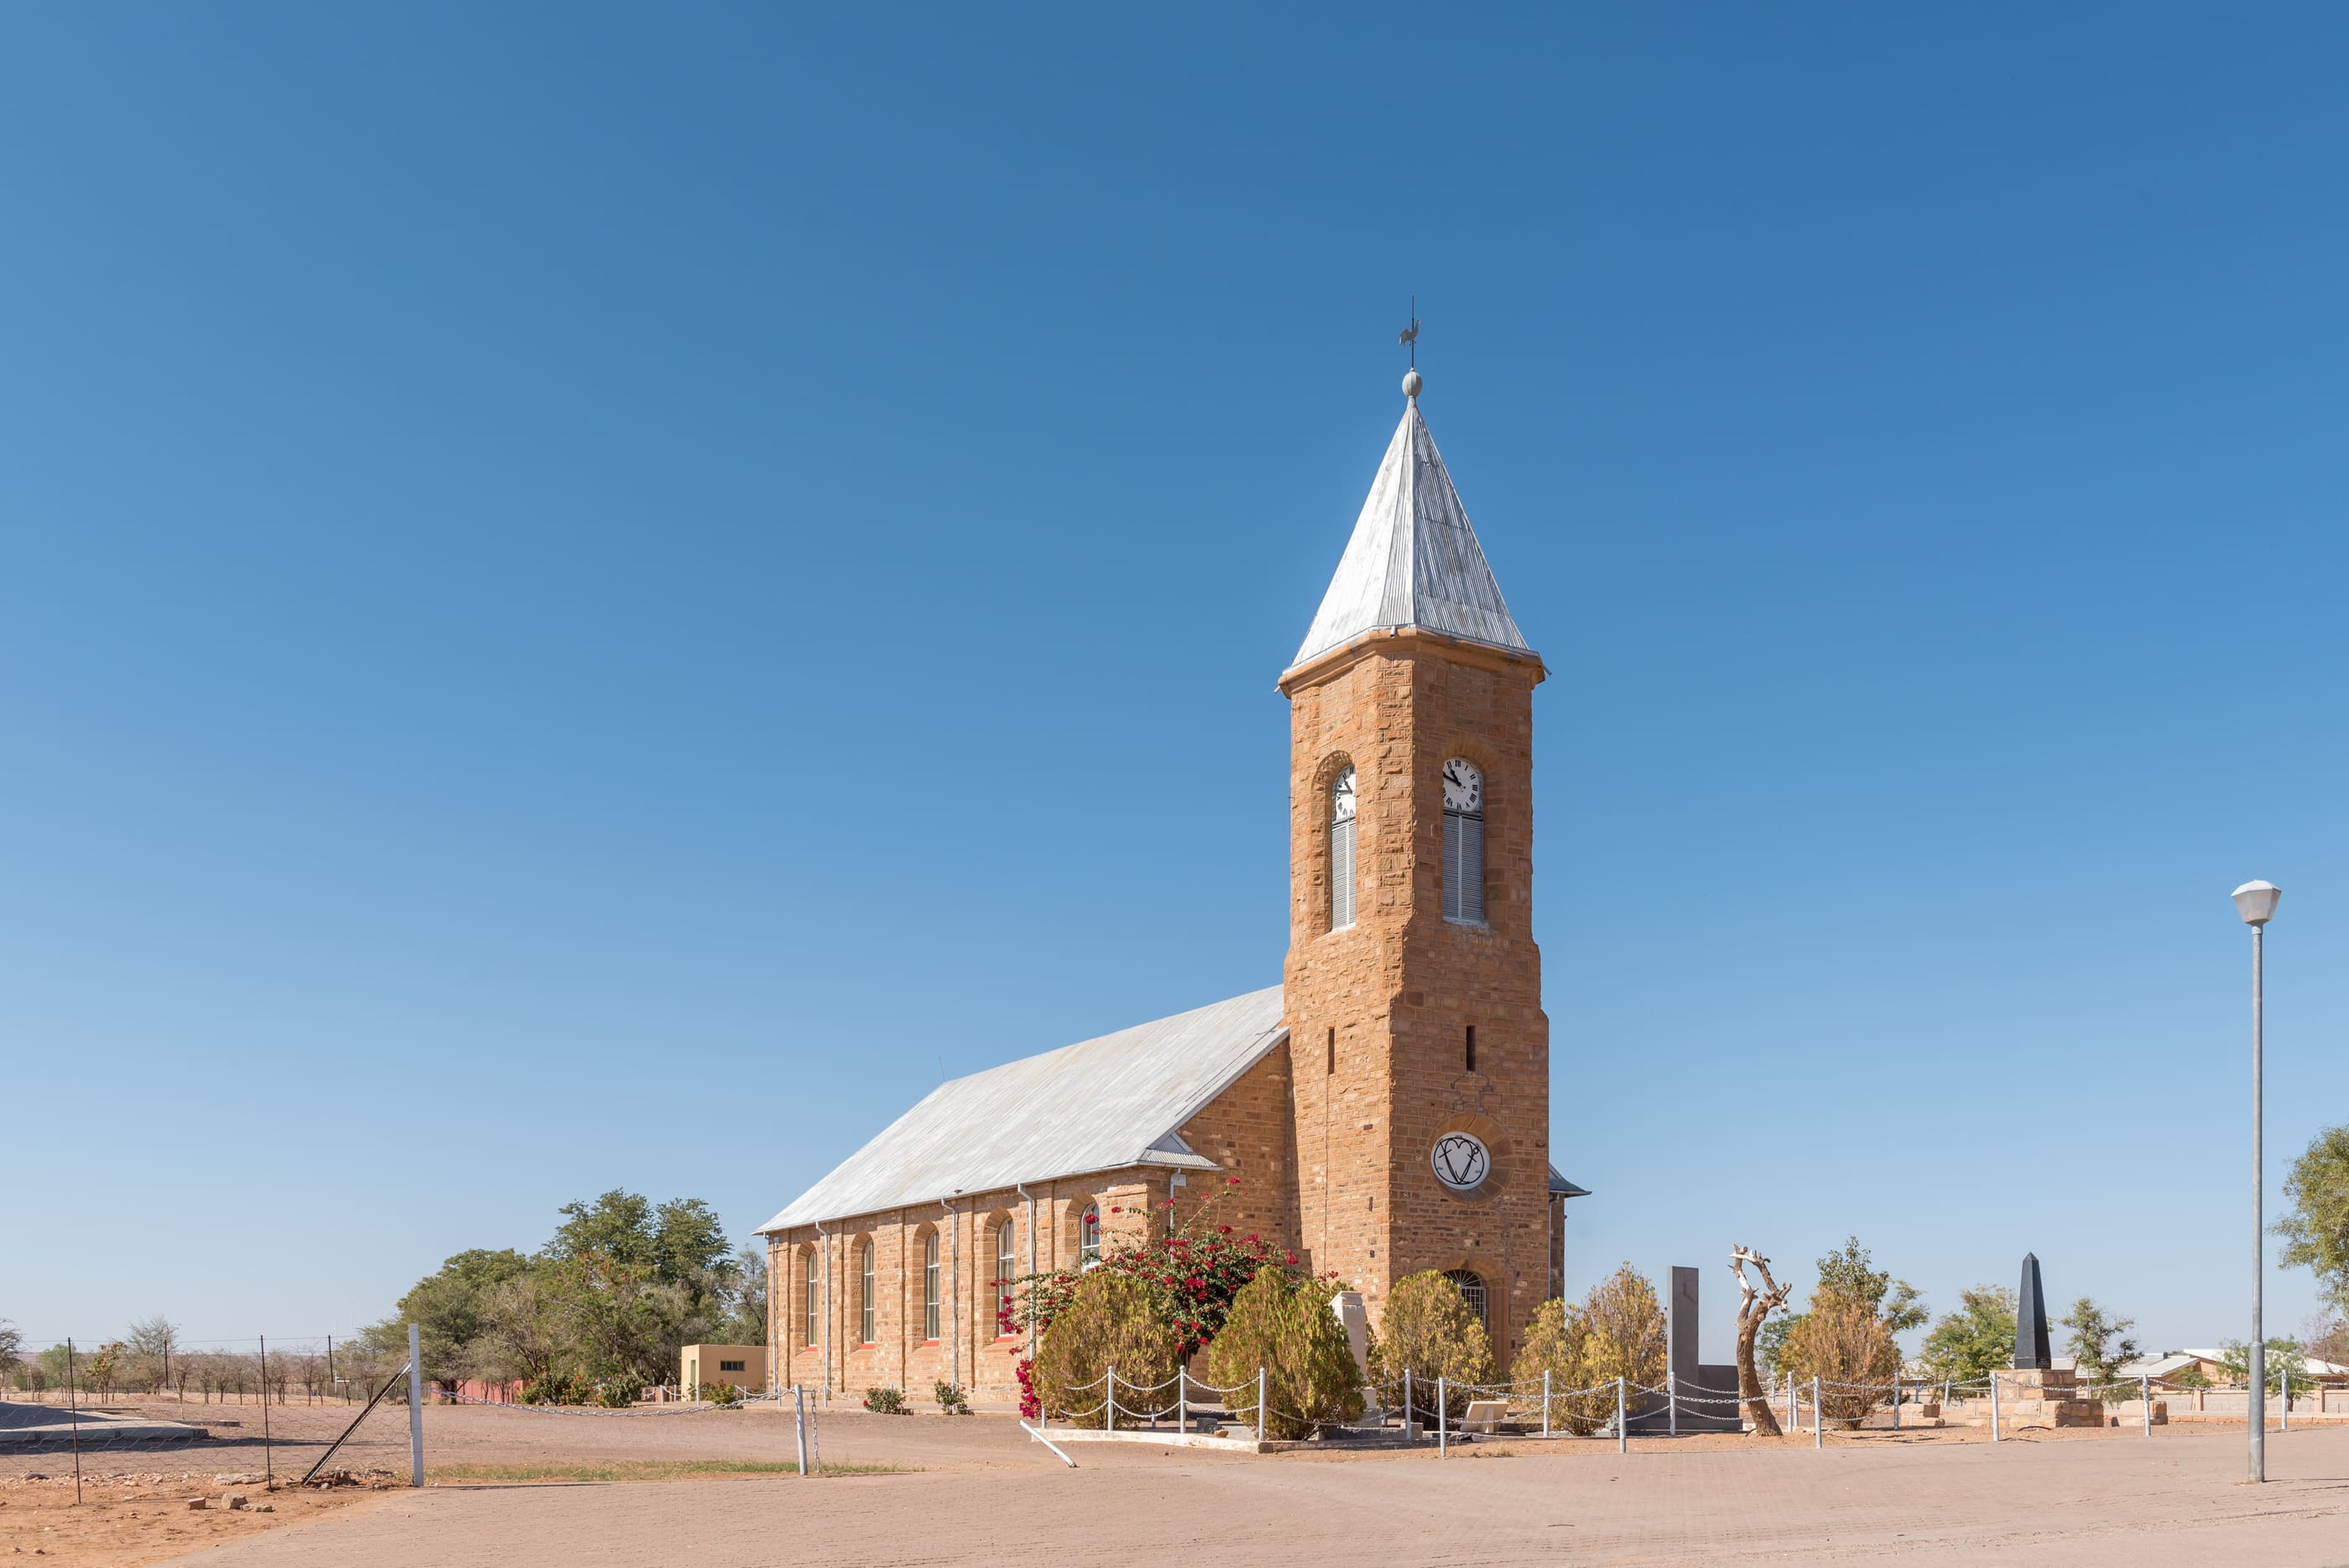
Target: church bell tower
[1419,1050]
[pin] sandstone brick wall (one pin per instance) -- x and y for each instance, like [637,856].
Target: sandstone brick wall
[1401,987]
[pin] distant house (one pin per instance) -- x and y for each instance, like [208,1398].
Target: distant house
[2168,1366]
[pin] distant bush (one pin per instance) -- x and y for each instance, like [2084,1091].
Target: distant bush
[1429,1331]
[885,1401]
[720,1393]
[952,1400]
[556,1388]
[1557,1341]
[1108,1320]
[1286,1326]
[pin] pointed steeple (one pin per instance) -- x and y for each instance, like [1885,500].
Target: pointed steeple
[1413,561]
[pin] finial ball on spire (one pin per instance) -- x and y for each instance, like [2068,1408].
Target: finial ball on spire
[1411,384]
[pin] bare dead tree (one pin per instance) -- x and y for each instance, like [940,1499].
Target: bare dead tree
[1753,1307]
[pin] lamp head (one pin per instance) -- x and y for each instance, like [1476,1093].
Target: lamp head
[2256,902]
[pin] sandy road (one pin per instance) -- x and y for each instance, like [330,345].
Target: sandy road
[986,1495]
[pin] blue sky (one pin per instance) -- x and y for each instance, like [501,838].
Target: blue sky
[596,597]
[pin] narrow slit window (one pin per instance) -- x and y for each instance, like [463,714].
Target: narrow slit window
[1089,1237]
[1330,1066]
[1006,1270]
[1472,1048]
[1342,851]
[1463,842]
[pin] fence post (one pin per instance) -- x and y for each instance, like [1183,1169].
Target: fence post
[1896,1401]
[2287,1399]
[1622,1435]
[2145,1398]
[415,1406]
[799,1422]
[1994,1406]
[1406,1404]
[1545,1401]
[1818,1418]
[1443,1427]
[1183,1399]
[1109,1403]
[1671,1402]
[1259,1404]
[1790,1401]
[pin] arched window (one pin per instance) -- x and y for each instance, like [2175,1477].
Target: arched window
[1006,1270]
[930,1287]
[1089,1237]
[815,1298]
[866,1324]
[1472,1290]
[1341,850]
[1463,842]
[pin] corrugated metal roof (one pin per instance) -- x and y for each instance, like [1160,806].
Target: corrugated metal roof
[1414,560]
[1099,1104]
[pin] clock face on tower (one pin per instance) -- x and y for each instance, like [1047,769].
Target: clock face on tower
[1464,785]
[1461,1161]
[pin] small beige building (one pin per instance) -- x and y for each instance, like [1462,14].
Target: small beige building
[743,1365]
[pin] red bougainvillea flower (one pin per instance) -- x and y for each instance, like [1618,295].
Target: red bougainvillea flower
[1233,1179]
[1223,1230]
[1251,1235]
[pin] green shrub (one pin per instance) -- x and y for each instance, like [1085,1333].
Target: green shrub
[556,1388]
[1108,1320]
[1287,1327]
[952,1400]
[1559,1342]
[1429,1330]
[716,1393]
[885,1401]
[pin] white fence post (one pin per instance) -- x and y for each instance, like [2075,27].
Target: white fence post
[1406,1404]
[1622,1433]
[1994,1406]
[1108,1404]
[1443,1427]
[1818,1418]
[1182,1398]
[1671,1402]
[2145,1397]
[1896,1401]
[2287,1399]
[1259,1404]
[799,1422]
[415,1404]
[1790,1402]
[1545,1401]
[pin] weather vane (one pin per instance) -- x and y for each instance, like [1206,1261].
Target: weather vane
[1409,335]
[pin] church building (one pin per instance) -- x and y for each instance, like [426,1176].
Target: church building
[1384,1109]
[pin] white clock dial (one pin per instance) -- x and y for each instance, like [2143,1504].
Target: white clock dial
[1342,797]
[1461,1161]
[1464,785]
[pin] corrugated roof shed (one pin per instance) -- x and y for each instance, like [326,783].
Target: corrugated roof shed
[1414,560]
[1099,1104]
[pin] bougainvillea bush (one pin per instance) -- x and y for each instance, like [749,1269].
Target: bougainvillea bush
[1188,1280]
[1284,1325]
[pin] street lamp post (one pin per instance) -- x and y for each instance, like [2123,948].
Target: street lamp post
[2256,902]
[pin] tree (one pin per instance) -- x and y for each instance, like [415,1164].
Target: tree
[1555,1344]
[1849,1274]
[1976,1339]
[1626,1330]
[12,1347]
[1843,1342]
[1754,1305]
[1430,1332]
[746,1320]
[2285,1356]
[1284,1327]
[2099,1344]
[2327,1337]
[2316,1227]
[151,1342]
[449,1309]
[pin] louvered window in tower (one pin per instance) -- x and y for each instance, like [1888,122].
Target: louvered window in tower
[1342,851]
[1006,1270]
[815,1298]
[1463,842]
[867,1300]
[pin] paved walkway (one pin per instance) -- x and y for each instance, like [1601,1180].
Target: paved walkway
[2117,1499]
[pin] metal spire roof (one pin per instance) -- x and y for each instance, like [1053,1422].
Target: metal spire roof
[1414,560]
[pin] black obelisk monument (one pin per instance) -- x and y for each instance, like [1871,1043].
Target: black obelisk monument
[2030,1319]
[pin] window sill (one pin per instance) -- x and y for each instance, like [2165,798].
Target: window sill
[929,1344]
[1484,926]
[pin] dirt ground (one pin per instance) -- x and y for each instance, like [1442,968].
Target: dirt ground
[516,1488]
